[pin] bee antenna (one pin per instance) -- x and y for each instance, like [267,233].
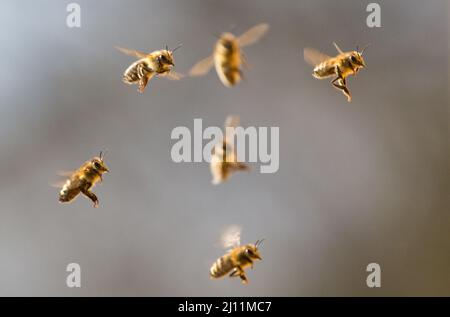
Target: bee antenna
[258,242]
[179,45]
[362,51]
[102,154]
[167,48]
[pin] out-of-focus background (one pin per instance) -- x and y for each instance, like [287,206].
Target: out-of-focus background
[359,182]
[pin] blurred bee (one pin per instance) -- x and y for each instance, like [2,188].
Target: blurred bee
[158,62]
[238,257]
[83,179]
[224,158]
[341,66]
[227,55]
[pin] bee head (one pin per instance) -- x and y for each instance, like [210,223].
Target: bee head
[252,250]
[356,59]
[165,58]
[227,40]
[98,164]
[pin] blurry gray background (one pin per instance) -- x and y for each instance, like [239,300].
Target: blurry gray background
[358,183]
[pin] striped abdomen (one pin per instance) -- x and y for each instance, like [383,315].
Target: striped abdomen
[68,192]
[137,71]
[227,60]
[222,267]
[324,70]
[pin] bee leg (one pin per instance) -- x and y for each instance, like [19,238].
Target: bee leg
[142,84]
[234,272]
[245,61]
[342,85]
[91,196]
[243,278]
[238,271]
[144,80]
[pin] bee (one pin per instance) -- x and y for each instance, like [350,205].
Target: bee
[83,179]
[227,56]
[149,65]
[224,158]
[237,258]
[341,66]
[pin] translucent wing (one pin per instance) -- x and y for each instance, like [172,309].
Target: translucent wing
[231,122]
[314,57]
[338,48]
[202,67]
[172,75]
[131,52]
[58,184]
[65,173]
[253,35]
[231,237]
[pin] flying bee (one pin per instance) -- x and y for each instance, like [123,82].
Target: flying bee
[227,56]
[341,66]
[149,65]
[224,157]
[237,258]
[83,179]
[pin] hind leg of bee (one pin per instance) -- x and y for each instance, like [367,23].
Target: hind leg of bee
[238,271]
[142,84]
[341,84]
[91,196]
[245,61]
[144,81]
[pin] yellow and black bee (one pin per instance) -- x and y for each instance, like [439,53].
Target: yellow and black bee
[149,65]
[227,56]
[83,179]
[341,66]
[224,158]
[238,257]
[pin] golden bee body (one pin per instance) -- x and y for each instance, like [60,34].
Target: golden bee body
[227,56]
[340,66]
[228,60]
[159,62]
[82,181]
[238,258]
[224,163]
[235,262]
[224,158]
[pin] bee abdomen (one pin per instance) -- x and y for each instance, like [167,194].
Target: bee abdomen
[67,193]
[135,72]
[323,70]
[221,267]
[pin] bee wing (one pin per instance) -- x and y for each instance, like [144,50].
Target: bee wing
[202,67]
[172,75]
[65,173]
[131,52]
[231,237]
[338,48]
[58,184]
[253,35]
[314,57]
[231,122]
